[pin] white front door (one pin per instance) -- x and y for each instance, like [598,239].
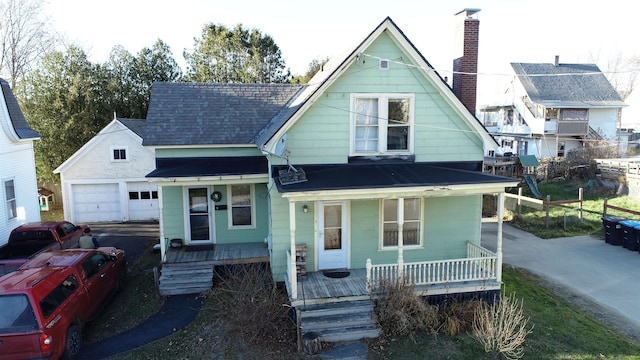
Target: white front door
[199,217]
[332,236]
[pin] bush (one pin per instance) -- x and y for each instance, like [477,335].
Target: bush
[254,310]
[399,311]
[501,327]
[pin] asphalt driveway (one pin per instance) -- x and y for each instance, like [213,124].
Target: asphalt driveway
[176,311]
[606,276]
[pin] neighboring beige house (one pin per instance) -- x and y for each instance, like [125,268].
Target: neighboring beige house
[104,180]
[18,184]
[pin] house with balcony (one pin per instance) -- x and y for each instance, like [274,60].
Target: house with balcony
[369,173]
[552,108]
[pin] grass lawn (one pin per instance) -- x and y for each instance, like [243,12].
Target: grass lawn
[564,219]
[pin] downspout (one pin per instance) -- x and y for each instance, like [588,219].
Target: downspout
[293,278]
[499,241]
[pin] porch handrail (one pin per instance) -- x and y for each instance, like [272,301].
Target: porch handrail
[292,276]
[476,251]
[480,268]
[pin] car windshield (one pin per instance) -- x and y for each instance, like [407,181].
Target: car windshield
[16,314]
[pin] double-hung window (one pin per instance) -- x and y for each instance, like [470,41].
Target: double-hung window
[10,199]
[242,212]
[412,224]
[382,124]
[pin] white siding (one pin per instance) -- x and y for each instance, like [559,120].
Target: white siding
[604,121]
[92,166]
[17,163]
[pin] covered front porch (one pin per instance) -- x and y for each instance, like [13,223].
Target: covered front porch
[478,272]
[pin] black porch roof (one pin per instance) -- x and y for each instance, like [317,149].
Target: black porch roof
[209,166]
[372,176]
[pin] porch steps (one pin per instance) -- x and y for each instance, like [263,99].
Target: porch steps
[185,278]
[339,321]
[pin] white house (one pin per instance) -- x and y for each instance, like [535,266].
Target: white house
[105,180]
[552,108]
[19,188]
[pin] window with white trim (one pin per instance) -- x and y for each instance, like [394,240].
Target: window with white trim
[411,229]
[241,202]
[10,196]
[382,124]
[119,154]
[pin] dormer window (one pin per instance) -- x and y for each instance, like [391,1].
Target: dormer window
[382,124]
[119,154]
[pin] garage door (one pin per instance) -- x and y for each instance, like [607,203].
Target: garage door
[96,203]
[143,201]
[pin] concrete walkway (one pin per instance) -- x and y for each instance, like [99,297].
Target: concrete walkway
[586,265]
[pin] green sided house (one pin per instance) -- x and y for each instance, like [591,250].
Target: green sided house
[371,171]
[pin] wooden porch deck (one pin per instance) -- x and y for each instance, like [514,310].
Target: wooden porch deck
[221,254]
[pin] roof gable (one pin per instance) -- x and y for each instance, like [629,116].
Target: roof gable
[205,114]
[332,71]
[567,85]
[116,125]
[20,129]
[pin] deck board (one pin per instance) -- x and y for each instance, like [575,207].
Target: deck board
[317,286]
[222,254]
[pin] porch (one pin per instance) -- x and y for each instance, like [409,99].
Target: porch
[220,254]
[190,270]
[477,272]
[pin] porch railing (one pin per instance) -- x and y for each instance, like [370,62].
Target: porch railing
[480,265]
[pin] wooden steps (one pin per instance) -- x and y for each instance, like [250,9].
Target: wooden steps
[185,278]
[339,321]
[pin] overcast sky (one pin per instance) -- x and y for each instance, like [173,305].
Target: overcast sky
[510,30]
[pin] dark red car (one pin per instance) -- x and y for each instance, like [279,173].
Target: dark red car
[45,304]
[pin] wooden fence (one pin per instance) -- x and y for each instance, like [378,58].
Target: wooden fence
[613,207]
[547,203]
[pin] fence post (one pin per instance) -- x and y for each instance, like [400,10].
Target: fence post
[519,201]
[580,197]
[604,208]
[546,221]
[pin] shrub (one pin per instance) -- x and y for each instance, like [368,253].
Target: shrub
[399,311]
[246,299]
[501,327]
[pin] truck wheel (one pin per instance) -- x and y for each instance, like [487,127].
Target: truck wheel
[72,343]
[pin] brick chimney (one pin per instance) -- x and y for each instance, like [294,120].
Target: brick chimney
[465,61]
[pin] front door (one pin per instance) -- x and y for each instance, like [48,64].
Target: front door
[199,217]
[332,236]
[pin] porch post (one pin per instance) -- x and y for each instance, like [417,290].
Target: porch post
[499,242]
[163,242]
[293,276]
[400,238]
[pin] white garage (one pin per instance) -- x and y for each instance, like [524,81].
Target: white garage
[105,180]
[95,203]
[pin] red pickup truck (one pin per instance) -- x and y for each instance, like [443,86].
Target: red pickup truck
[32,238]
[45,304]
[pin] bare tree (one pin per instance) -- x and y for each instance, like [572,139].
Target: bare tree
[26,35]
[622,72]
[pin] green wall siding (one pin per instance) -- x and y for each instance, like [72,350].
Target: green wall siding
[173,215]
[322,134]
[173,212]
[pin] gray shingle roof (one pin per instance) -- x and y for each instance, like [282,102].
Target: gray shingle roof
[20,124]
[135,125]
[200,114]
[567,85]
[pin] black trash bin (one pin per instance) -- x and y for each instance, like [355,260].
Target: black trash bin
[628,233]
[612,229]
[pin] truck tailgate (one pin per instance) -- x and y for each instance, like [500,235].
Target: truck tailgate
[20,346]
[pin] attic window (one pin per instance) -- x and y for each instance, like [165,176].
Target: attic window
[384,64]
[119,154]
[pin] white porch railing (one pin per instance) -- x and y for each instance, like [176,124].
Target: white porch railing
[480,265]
